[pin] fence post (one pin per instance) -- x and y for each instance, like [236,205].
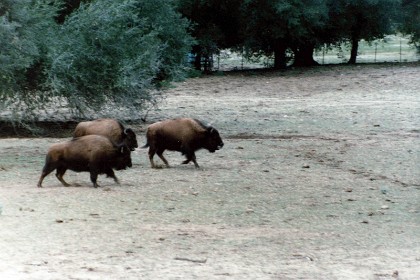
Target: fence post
[400,50]
[242,59]
[376,49]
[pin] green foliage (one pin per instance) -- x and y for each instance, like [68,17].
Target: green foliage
[216,21]
[24,34]
[267,27]
[217,24]
[113,53]
[363,19]
[411,20]
[353,20]
[110,58]
[194,73]
[26,28]
[275,25]
[106,58]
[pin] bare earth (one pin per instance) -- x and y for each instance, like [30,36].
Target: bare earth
[319,178]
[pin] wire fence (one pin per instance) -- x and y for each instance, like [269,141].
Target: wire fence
[390,49]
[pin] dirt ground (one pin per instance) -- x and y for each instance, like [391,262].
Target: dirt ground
[319,178]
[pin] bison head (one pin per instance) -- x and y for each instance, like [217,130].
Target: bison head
[123,158]
[130,139]
[214,142]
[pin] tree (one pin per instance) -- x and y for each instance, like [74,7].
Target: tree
[216,25]
[307,29]
[273,26]
[411,20]
[68,7]
[26,30]
[106,58]
[354,20]
[265,31]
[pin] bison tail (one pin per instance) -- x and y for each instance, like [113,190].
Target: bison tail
[145,146]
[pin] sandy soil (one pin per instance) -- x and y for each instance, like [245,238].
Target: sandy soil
[319,179]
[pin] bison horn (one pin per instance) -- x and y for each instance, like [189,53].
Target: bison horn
[128,131]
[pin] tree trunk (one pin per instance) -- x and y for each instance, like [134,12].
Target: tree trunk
[280,56]
[354,49]
[304,56]
[197,61]
[196,50]
[208,63]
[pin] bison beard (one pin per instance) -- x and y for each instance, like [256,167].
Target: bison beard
[93,153]
[184,135]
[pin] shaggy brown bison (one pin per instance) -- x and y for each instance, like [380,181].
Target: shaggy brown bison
[184,135]
[92,153]
[110,128]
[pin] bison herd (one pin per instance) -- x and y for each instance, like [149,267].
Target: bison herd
[100,146]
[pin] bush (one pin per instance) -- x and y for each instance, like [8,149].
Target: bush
[107,58]
[25,31]
[111,54]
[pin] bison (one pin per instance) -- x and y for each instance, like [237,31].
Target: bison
[184,135]
[92,153]
[110,128]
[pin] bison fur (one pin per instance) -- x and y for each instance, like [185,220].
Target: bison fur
[110,128]
[91,153]
[184,135]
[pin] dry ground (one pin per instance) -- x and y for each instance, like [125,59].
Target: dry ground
[319,179]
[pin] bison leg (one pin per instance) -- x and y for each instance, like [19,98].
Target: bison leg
[59,174]
[45,171]
[43,175]
[110,173]
[191,157]
[94,171]
[151,155]
[152,152]
[93,178]
[39,185]
[160,154]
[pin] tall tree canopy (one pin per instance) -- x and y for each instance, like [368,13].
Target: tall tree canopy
[353,20]
[273,26]
[411,20]
[26,28]
[217,24]
[105,57]
[129,46]
[266,30]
